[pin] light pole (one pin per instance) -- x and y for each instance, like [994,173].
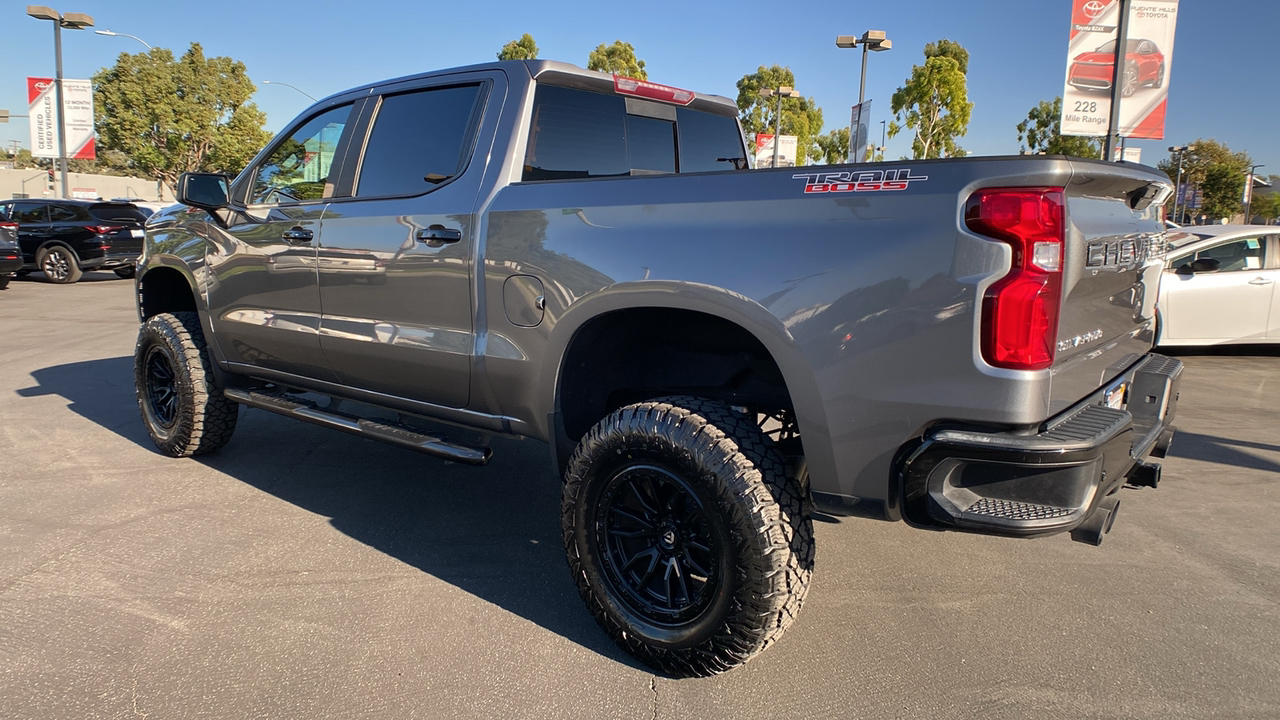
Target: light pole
[277,82]
[71,21]
[1180,150]
[882,122]
[1248,192]
[781,92]
[870,40]
[116,34]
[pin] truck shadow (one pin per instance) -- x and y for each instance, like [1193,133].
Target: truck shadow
[493,532]
[1223,451]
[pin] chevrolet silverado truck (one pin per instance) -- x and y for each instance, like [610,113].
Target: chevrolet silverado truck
[713,353]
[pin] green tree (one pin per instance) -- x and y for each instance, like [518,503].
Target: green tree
[935,102]
[1217,171]
[1042,133]
[1265,206]
[801,116]
[834,146]
[523,49]
[171,116]
[619,59]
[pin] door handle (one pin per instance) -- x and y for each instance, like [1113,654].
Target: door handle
[1259,281]
[438,235]
[297,236]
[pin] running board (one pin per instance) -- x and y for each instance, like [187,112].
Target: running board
[387,432]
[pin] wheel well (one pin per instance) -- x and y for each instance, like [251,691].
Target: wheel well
[638,354]
[164,290]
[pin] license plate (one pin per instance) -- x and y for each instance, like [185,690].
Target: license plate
[138,233]
[1115,396]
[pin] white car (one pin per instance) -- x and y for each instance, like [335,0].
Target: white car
[1219,286]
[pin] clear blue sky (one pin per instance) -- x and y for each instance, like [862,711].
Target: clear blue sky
[1222,82]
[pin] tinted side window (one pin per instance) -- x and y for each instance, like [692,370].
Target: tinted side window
[118,213]
[298,167]
[69,213]
[709,142]
[419,139]
[25,212]
[576,134]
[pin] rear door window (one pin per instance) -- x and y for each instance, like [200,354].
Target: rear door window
[69,214]
[419,139]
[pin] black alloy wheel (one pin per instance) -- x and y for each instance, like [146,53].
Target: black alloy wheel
[690,544]
[658,544]
[161,388]
[182,404]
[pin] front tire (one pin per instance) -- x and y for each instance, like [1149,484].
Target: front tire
[125,272]
[178,394]
[60,264]
[1129,80]
[689,544]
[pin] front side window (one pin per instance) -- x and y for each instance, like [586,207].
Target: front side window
[298,168]
[419,140]
[26,212]
[1243,254]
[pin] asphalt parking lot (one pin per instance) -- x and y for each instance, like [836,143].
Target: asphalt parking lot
[304,573]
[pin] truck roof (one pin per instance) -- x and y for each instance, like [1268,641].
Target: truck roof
[553,72]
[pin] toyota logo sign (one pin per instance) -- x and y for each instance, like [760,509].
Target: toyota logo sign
[1094,8]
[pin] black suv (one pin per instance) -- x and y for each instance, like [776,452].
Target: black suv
[66,237]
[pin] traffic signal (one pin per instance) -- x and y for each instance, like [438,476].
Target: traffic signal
[50,171]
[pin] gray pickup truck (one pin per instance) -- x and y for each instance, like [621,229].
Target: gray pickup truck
[712,353]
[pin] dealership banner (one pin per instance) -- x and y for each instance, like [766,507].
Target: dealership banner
[786,150]
[77,103]
[1148,62]
[859,119]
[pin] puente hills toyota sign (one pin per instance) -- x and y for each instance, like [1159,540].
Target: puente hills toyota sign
[1146,64]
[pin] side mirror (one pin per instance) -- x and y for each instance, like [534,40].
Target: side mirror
[207,191]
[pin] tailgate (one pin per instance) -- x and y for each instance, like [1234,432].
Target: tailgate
[1112,265]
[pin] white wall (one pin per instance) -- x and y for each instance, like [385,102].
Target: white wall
[105,186]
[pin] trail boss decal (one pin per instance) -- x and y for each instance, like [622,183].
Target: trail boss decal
[858,180]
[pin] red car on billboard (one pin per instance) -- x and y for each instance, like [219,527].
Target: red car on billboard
[1144,65]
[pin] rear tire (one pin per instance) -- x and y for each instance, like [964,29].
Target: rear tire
[181,403]
[60,264]
[125,272]
[4,281]
[688,543]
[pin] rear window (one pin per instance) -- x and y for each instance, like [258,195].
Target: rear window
[118,213]
[582,134]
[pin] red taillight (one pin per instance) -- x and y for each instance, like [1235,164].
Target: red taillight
[9,225]
[104,229]
[1020,311]
[652,91]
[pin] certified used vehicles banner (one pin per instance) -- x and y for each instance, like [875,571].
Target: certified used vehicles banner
[1146,66]
[77,102]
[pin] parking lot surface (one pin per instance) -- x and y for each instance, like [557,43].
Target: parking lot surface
[304,573]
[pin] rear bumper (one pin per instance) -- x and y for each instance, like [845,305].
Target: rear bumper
[1052,478]
[10,261]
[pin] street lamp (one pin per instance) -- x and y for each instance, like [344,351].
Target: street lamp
[871,40]
[1180,150]
[116,34]
[1248,192]
[277,82]
[781,92]
[71,21]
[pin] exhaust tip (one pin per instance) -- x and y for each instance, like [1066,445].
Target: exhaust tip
[1099,522]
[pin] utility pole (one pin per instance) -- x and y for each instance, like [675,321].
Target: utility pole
[1117,78]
